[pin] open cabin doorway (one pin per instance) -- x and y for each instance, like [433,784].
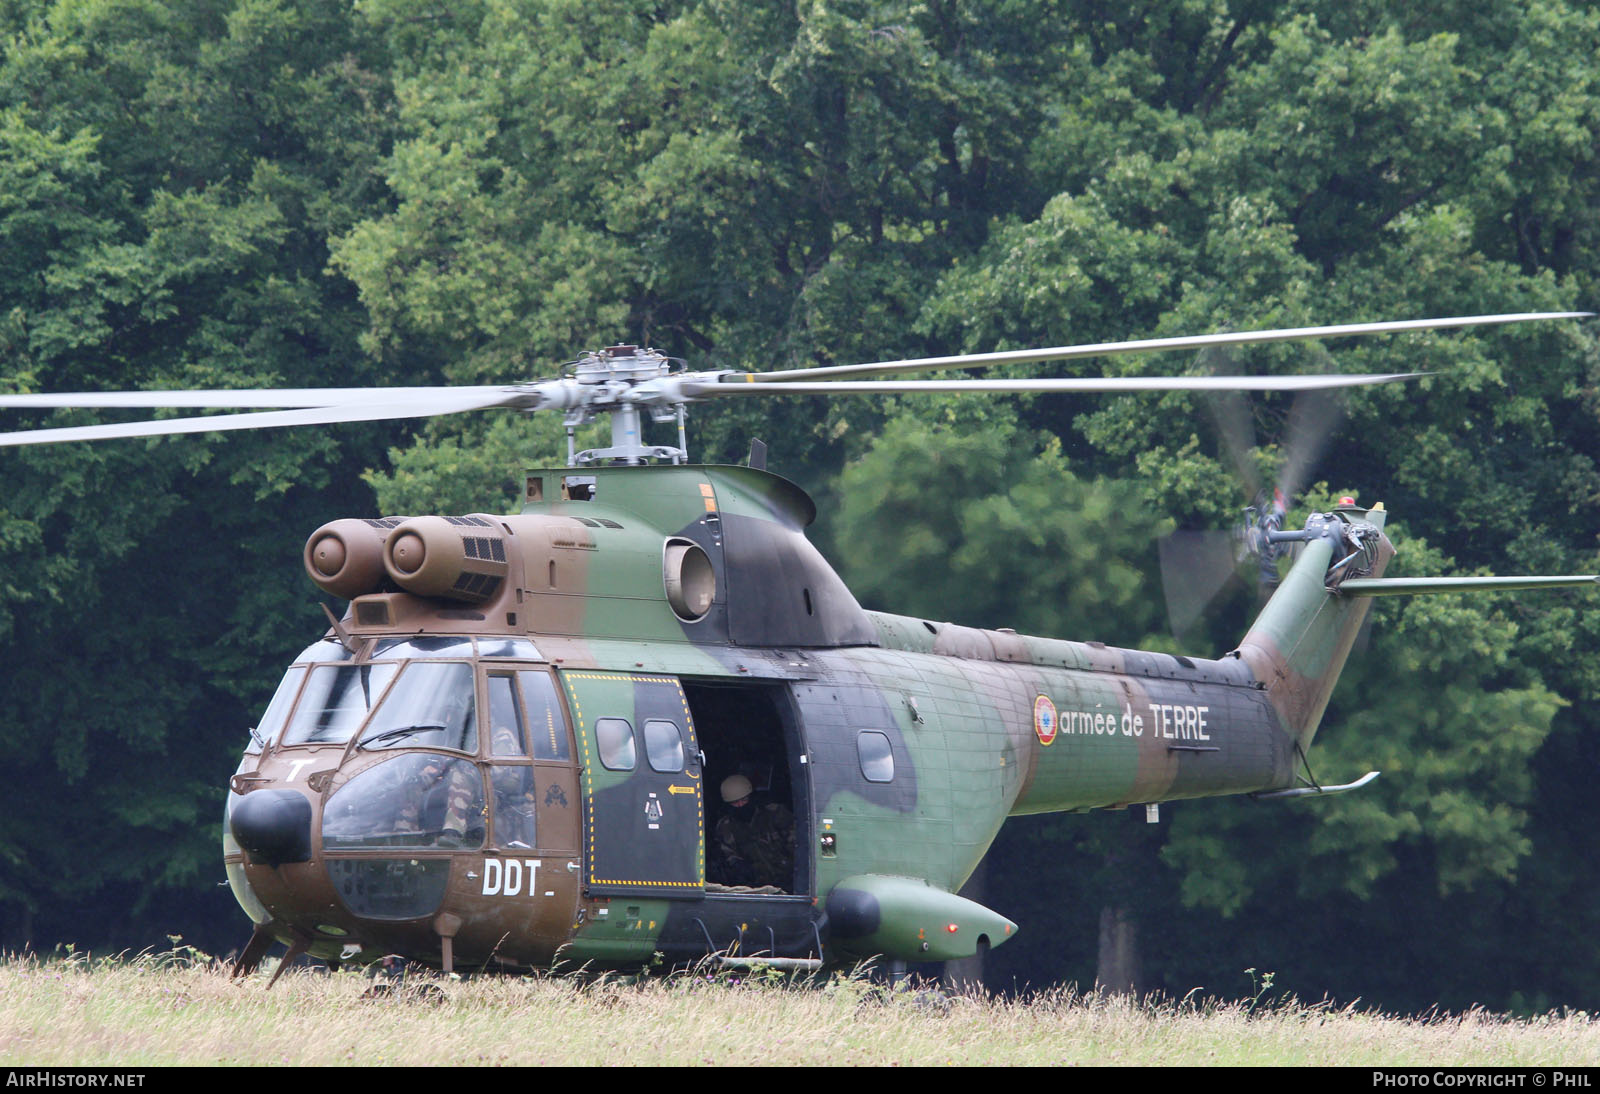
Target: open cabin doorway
[749,731]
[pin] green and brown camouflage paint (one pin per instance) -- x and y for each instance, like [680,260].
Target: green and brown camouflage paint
[972,726]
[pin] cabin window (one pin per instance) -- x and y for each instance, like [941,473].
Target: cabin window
[663,745]
[615,738]
[877,756]
[415,801]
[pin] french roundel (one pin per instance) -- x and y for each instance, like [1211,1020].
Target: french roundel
[1044,719]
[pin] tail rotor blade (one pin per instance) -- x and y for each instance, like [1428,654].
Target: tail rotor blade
[1197,568]
[1313,419]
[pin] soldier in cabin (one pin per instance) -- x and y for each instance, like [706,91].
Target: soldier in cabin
[755,843]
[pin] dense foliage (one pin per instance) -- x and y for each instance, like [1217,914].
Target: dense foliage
[246,192]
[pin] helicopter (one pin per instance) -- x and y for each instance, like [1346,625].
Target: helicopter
[526,739]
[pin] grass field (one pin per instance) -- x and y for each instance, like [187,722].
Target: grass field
[165,1010]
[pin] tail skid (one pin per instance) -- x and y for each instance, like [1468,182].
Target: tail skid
[1316,791]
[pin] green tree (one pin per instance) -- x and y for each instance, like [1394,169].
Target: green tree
[741,185]
[173,174]
[979,522]
[1310,189]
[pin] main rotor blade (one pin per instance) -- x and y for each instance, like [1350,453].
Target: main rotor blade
[1152,345]
[475,399]
[733,385]
[243,397]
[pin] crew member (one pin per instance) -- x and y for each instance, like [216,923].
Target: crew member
[755,842]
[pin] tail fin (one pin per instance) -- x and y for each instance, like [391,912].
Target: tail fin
[1299,643]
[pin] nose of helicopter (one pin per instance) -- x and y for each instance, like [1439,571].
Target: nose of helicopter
[273,826]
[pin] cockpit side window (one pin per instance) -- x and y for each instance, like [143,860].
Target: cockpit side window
[505,721]
[547,722]
[278,710]
[512,776]
[516,805]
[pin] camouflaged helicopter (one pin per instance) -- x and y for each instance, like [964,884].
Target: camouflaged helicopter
[507,751]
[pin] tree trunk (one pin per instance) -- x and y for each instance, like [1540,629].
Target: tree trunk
[1117,970]
[966,974]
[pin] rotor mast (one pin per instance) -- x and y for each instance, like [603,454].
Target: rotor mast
[613,377]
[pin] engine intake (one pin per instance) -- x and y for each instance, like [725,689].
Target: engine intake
[452,558]
[345,557]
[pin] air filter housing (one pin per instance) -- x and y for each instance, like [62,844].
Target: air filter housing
[452,558]
[345,557]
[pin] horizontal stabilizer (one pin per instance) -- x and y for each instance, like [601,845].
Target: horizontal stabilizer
[1408,586]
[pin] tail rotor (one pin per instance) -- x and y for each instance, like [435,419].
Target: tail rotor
[1200,568]
[1254,535]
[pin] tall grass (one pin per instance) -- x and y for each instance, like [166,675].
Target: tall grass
[179,1009]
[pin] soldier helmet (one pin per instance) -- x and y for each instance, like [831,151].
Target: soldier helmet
[735,787]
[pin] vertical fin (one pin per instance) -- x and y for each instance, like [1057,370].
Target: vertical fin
[1299,643]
